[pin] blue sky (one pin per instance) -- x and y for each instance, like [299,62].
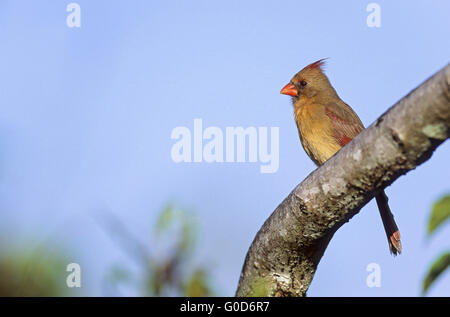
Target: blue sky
[87,115]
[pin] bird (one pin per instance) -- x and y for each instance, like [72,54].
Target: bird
[326,124]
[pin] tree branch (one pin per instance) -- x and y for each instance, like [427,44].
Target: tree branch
[284,255]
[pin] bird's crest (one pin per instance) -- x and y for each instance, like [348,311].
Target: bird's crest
[318,64]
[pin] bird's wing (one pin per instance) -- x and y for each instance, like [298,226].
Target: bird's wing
[344,129]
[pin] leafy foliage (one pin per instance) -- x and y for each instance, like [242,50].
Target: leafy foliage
[197,284]
[33,273]
[436,269]
[167,272]
[439,214]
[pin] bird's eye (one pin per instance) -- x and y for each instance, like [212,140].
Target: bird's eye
[303,83]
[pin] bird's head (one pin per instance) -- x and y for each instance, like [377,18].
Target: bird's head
[308,83]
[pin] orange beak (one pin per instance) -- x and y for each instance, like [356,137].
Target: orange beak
[290,90]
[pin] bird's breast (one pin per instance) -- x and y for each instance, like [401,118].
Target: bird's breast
[316,133]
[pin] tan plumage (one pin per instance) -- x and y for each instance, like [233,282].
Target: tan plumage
[325,124]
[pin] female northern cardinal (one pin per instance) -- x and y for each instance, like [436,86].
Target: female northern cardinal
[325,124]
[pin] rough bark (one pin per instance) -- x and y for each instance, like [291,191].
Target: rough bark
[285,253]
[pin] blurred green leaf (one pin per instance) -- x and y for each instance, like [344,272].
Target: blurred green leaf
[171,273]
[188,234]
[439,213]
[37,272]
[436,269]
[165,218]
[197,285]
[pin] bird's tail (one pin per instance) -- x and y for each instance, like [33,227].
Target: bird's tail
[392,232]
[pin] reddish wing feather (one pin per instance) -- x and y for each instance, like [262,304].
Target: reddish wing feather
[344,130]
[344,140]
